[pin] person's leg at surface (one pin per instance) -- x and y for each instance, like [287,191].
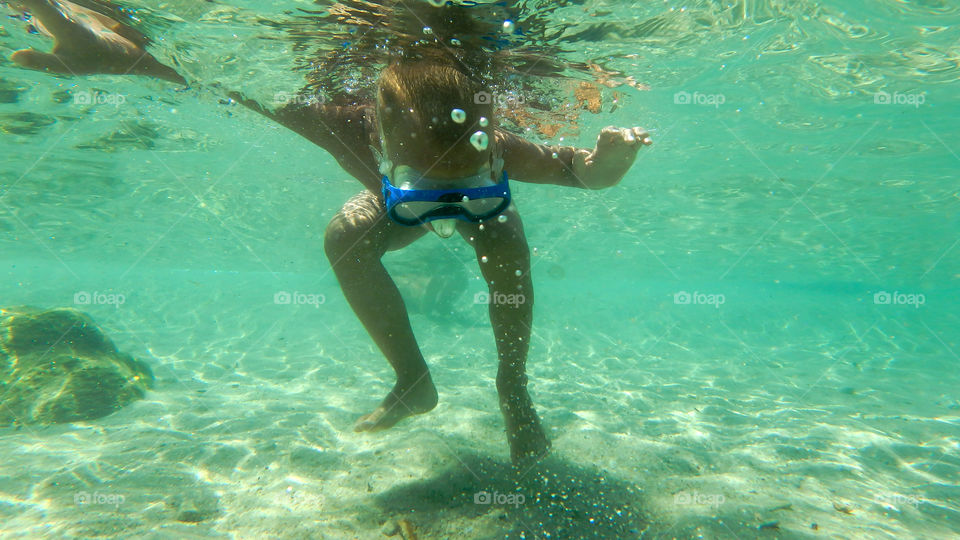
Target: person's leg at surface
[355,240]
[504,258]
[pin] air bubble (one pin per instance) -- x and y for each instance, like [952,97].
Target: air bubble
[554,155]
[502,218]
[481,226]
[508,26]
[427,30]
[455,42]
[484,259]
[458,116]
[518,273]
[484,121]
[437,3]
[479,140]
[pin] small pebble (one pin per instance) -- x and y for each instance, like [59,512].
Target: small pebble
[190,516]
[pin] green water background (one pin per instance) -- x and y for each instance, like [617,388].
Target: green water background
[798,199]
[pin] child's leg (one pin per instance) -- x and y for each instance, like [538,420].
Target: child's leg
[501,249]
[355,240]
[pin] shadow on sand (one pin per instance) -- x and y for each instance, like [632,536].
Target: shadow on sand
[482,498]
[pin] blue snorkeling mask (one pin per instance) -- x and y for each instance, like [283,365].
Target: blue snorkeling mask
[413,199]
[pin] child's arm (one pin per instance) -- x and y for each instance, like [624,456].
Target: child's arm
[600,168]
[88,42]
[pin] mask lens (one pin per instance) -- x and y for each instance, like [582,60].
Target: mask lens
[474,208]
[482,207]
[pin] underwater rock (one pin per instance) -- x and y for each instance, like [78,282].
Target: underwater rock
[57,366]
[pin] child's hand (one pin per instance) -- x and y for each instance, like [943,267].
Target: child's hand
[611,159]
[87,42]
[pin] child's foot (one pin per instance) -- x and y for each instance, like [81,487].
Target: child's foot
[399,404]
[528,444]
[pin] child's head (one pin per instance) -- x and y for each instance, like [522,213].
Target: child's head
[414,104]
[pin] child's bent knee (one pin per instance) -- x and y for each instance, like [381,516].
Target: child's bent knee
[357,239]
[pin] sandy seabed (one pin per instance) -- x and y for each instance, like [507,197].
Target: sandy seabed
[698,422]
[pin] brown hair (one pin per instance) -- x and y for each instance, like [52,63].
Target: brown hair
[416,97]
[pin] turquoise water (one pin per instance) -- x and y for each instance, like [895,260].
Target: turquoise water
[803,173]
